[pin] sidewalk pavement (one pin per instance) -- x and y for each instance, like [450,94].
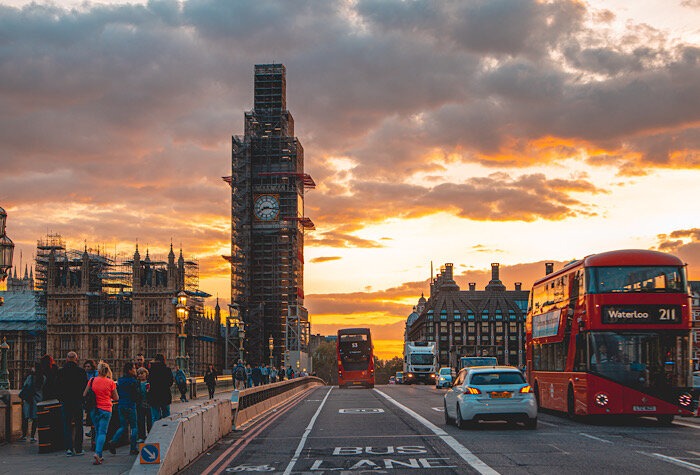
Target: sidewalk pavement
[23,457]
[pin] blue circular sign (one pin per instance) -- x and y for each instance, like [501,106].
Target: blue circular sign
[150,453]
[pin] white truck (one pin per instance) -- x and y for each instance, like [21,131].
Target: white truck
[419,362]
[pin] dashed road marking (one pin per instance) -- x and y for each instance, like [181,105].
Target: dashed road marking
[594,437]
[300,447]
[681,463]
[475,462]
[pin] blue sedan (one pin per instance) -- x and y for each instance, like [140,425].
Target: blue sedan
[444,378]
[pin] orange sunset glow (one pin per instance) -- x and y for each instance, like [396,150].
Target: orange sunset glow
[465,132]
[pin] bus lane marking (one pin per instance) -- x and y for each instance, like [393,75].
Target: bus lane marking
[475,462]
[358,410]
[594,437]
[681,463]
[307,431]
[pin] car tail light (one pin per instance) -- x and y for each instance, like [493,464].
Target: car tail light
[471,390]
[526,389]
[601,399]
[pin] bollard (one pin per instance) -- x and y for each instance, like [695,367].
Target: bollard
[50,426]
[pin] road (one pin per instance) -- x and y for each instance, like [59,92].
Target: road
[401,430]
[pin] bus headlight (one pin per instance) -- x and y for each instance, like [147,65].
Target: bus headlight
[602,399]
[685,400]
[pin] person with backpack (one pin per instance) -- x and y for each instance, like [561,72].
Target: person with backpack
[70,384]
[128,390]
[30,394]
[104,391]
[181,381]
[239,376]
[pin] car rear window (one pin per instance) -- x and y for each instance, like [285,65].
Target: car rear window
[497,377]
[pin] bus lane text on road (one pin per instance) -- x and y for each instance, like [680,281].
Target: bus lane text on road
[378,458]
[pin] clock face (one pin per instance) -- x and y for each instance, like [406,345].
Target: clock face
[266,207]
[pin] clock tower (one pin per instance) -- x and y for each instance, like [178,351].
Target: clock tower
[267,218]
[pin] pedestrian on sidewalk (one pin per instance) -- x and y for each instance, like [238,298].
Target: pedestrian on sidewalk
[210,380]
[161,379]
[249,376]
[49,370]
[127,388]
[105,390]
[90,368]
[31,396]
[71,382]
[273,374]
[256,374]
[181,381]
[265,373]
[143,411]
[239,376]
[139,362]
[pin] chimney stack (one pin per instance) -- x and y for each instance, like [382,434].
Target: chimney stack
[494,271]
[518,286]
[548,268]
[472,286]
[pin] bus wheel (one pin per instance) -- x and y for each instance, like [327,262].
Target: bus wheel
[665,419]
[570,403]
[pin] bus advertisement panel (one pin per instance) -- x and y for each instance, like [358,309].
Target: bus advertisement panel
[355,358]
[610,334]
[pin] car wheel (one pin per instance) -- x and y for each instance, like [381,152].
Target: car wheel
[531,423]
[448,420]
[459,422]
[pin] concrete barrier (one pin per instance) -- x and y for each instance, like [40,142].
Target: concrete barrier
[184,437]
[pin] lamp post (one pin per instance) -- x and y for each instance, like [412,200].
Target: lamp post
[182,313]
[271,345]
[4,381]
[241,338]
[7,248]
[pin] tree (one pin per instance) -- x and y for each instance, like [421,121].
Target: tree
[325,363]
[384,369]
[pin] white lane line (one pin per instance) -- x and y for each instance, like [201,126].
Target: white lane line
[547,424]
[675,461]
[686,424]
[475,462]
[594,437]
[300,447]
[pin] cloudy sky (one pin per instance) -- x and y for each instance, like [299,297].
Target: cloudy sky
[470,132]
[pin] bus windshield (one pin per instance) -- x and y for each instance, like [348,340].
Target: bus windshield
[647,360]
[668,279]
[355,351]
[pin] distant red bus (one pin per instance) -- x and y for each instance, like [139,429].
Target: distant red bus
[610,334]
[355,358]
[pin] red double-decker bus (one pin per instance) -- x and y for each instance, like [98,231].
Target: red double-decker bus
[355,358]
[610,334]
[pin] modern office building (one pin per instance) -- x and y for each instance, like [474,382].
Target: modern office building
[489,322]
[268,224]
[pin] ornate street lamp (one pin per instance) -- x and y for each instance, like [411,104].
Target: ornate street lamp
[182,314]
[4,380]
[7,248]
[271,345]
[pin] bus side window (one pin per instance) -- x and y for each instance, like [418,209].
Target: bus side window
[580,358]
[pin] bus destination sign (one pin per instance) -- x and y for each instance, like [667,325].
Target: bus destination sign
[644,314]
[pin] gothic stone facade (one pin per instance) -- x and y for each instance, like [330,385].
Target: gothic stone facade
[471,322]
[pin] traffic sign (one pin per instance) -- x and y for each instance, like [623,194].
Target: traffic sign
[149,453]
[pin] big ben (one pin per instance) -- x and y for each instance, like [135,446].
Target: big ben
[267,218]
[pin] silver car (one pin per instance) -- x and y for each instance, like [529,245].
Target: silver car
[490,393]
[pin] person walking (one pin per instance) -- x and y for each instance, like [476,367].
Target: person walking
[181,381]
[265,373]
[31,396]
[127,388]
[273,374]
[139,362]
[239,376]
[256,375]
[249,376]
[210,380]
[49,370]
[143,411]
[160,378]
[105,390]
[71,381]
[290,372]
[91,371]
